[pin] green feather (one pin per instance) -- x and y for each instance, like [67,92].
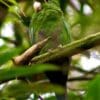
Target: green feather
[50,21]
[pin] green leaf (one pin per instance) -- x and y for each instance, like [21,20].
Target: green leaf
[93,90]
[23,71]
[23,90]
[13,2]
[3,48]
[5,56]
[67,29]
[74,96]
[15,10]
[5,3]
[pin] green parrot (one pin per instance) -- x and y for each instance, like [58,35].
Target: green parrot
[50,22]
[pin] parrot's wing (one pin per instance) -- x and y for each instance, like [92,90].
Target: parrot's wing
[44,18]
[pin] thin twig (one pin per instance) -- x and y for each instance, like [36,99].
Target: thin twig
[80,78]
[9,40]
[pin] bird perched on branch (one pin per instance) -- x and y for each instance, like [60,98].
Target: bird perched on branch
[48,20]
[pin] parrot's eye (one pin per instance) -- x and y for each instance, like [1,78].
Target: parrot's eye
[37,6]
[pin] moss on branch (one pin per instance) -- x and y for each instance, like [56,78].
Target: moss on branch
[69,50]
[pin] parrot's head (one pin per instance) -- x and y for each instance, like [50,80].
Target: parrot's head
[37,6]
[48,20]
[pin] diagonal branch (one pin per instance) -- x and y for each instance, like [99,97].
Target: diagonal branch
[24,58]
[69,49]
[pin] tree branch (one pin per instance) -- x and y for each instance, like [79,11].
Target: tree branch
[24,58]
[9,40]
[59,53]
[69,50]
[80,78]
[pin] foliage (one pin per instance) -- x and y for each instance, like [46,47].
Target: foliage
[93,89]
[64,22]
